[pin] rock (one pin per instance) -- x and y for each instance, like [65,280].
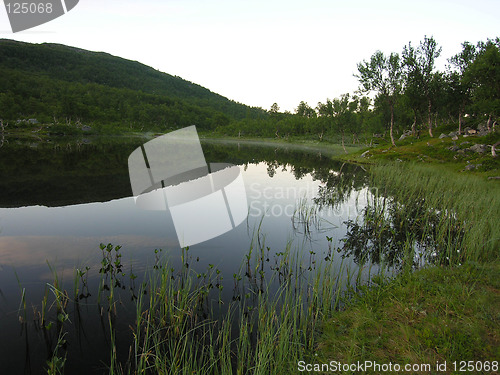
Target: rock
[483,130]
[454,148]
[453,134]
[470,167]
[405,135]
[86,128]
[455,138]
[443,136]
[465,135]
[479,148]
[464,143]
[365,154]
[471,131]
[494,178]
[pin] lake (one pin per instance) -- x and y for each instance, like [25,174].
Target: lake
[60,199]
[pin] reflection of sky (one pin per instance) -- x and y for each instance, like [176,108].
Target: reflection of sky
[69,237]
[31,235]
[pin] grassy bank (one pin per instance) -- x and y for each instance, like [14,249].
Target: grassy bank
[434,315]
[453,155]
[450,310]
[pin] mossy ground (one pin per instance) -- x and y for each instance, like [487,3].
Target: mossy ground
[435,151]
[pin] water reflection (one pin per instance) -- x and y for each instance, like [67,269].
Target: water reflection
[59,203]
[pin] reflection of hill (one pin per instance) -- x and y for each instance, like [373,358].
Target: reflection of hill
[64,172]
[71,172]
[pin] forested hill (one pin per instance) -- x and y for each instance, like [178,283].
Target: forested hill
[53,80]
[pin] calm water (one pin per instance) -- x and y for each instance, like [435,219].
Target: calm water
[60,200]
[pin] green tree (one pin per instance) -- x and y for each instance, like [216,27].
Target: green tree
[458,88]
[484,76]
[382,75]
[305,110]
[274,108]
[419,64]
[342,116]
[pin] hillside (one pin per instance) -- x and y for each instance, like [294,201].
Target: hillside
[47,81]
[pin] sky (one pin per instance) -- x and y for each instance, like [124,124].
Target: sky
[259,52]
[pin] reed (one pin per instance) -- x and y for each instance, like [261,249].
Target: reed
[458,212]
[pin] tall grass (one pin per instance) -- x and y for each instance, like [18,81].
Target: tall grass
[460,213]
[269,325]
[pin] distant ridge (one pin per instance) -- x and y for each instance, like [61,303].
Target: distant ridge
[81,73]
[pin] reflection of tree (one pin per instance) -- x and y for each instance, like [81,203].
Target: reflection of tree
[392,233]
[340,185]
[339,179]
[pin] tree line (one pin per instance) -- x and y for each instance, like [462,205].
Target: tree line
[399,92]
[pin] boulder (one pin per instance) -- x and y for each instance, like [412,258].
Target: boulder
[443,136]
[454,148]
[455,137]
[464,143]
[405,135]
[470,167]
[483,130]
[479,148]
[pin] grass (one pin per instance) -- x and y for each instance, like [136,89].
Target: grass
[182,326]
[433,315]
[435,151]
[468,205]
[448,311]
[264,330]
